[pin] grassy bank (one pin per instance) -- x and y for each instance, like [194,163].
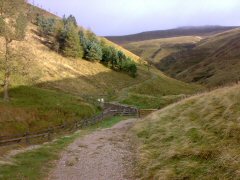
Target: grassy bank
[148,102]
[158,91]
[197,138]
[36,164]
[34,109]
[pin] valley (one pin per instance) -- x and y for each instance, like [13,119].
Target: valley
[55,73]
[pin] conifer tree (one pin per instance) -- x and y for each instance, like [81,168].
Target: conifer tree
[71,46]
[107,54]
[130,67]
[93,51]
[114,59]
[121,59]
[72,19]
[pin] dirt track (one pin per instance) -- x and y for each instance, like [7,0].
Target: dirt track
[103,155]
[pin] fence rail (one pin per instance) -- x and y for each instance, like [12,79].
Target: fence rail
[47,134]
[145,112]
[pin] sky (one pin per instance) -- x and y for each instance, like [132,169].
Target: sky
[121,17]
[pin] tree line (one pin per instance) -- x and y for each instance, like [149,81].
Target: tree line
[72,41]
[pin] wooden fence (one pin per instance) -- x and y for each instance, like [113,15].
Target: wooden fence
[28,137]
[145,112]
[122,110]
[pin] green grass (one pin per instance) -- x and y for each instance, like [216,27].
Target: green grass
[148,102]
[109,122]
[36,164]
[157,92]
[34,109]
[163,85]
[197,138]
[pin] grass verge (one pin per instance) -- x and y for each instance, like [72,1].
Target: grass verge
[36,164]
[197,138]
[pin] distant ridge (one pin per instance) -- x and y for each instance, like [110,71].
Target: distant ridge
[213,61]
[181,31]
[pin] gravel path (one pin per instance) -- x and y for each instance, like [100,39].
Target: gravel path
[102,155]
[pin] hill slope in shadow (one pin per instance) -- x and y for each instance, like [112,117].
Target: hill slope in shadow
[214,61]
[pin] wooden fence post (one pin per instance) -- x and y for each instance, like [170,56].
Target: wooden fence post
[139,115]
[27,138]
[76,124]
[49,134]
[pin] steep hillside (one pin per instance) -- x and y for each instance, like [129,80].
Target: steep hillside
[79,82]
[87,79]
[197,138]
[155,50]
[184,31]
[214,61]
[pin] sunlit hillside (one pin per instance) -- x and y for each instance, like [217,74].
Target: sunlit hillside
[78,80]
[196,138]
[155,50]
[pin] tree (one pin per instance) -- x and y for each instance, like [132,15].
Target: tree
[69,19]
[91,45]
[84,41]
[91,36]
[72,19]
[12,27]
[46,26]
[121,58]
[110,56]
[114,59]
[93,51]
[130,67]
[56,36]
[107,54]
[70,42]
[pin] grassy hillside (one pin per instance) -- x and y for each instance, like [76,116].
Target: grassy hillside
[184,31]
[214,61]
[71,83]
[197,138]
[78,82]
[156,92]
[157,49]
[47,69]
